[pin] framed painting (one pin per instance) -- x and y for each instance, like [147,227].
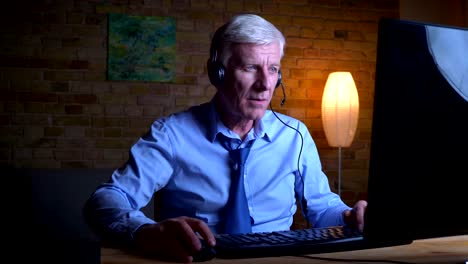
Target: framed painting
[141,48]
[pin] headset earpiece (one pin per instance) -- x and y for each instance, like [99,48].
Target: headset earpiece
[216,73]
[215,70]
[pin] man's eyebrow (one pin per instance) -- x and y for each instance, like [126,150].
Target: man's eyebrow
[276,65]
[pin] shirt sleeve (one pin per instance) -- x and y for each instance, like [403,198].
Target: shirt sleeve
[113,211]
[111,215]
[320,205]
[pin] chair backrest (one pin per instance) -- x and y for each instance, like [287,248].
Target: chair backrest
[57,197]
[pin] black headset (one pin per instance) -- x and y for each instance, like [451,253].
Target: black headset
[216,72]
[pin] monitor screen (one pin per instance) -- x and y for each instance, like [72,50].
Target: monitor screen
[418,176]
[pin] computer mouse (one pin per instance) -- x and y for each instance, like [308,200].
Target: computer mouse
[206,252]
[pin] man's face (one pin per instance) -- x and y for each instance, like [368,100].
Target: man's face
[250,78]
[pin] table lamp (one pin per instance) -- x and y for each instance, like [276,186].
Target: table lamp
[340,112]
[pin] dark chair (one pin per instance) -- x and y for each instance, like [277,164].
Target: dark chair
[56,230]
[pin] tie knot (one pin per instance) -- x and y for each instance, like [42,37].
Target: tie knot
[237,155]
[230,143]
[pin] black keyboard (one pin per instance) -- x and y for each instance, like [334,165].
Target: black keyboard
[291,242]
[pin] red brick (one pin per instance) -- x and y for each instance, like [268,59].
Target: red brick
[74,109]
[37,97]
[53,131]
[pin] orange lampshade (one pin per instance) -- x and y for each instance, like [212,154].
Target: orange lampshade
[340,109]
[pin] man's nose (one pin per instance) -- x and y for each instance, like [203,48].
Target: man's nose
[265,79]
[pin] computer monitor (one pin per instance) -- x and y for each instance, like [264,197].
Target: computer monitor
[419,142]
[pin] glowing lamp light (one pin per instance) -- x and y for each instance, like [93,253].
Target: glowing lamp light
[340,112]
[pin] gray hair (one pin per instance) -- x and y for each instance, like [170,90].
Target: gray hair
[245,28]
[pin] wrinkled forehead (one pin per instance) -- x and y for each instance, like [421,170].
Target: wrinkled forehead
[255,54]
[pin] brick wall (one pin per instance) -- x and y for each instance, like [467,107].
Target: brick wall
[59,111]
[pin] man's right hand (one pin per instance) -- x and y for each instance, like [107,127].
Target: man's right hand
[174,239]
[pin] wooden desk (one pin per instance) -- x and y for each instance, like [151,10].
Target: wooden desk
[452,250]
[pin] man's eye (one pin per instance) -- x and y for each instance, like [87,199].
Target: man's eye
[250,68]
[274,69]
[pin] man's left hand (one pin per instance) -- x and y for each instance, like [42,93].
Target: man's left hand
[355,216]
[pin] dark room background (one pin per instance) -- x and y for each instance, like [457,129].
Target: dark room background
[58,110]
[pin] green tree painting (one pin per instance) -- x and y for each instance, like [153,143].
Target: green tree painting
[141,48]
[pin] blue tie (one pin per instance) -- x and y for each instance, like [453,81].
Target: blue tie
[237,216]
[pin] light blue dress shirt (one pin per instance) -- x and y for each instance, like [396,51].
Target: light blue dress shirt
[183,159]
